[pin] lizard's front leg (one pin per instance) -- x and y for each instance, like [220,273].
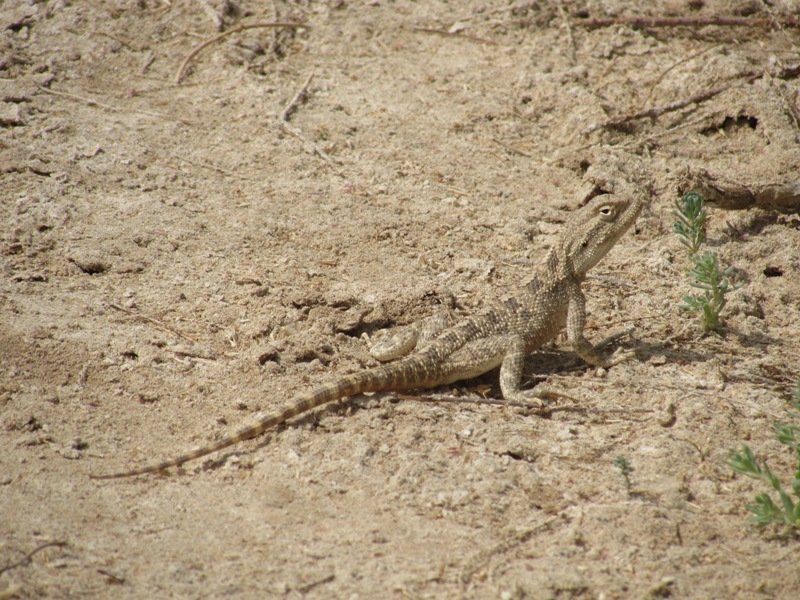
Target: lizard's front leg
[511,376]
[576,320]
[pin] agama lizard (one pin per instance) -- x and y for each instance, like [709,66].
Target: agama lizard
[498,336]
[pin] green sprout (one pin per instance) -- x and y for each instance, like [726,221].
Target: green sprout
[691,224]
[707,276]
[705,273]
[625,469]
[765,510]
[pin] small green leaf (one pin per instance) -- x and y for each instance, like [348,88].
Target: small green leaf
[787,435]
[744,462]
[764,510]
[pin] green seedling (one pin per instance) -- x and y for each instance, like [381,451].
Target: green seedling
[690,226]
[705,273]
[714,282]
[625,469]
[765,510]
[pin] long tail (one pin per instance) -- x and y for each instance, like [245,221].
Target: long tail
[391,376]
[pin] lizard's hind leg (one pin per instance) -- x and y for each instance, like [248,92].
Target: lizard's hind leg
[399,342]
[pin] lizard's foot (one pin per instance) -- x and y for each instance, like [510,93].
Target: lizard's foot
[620,355]
[598,356]
[614,338]
[538,398]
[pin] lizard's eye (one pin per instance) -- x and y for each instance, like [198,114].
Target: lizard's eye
[606,212]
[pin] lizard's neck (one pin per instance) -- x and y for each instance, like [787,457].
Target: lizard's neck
[560,265]
[556,268]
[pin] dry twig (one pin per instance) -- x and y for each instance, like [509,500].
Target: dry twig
[93,102]
[736,195]
[643,142]
[656,111]
[300,96]
[283,123]
[484,557]
[26,559]
[510,148]
[454,34]
[652,22]
[316,149]
[450,399]
[673,66]
[156,322]
[182,69]
[205,165]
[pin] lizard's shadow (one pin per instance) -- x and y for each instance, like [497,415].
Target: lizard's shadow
[539,365]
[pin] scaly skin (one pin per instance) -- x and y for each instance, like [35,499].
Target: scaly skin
[502,335]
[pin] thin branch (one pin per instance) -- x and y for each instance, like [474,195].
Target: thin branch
[205,165]
[156,322]
[93,102]
[26,559]
[450,399]
[317,150]
[116,39]
[116,579]
[454,34]
[300,96]
[652,22]
[737,195]
[480,560]
[657,111]
[181,70]
[650,138]
[283,123]
[674,65]
[511,148]
[304,589]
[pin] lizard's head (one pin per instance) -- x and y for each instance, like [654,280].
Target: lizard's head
[596,227]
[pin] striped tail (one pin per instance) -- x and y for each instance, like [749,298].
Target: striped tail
[390,376]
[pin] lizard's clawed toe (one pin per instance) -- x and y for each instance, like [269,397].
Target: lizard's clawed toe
[620,355]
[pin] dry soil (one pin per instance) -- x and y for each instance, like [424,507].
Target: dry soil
[177,255]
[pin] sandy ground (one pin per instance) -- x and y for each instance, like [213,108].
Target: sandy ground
[174,259]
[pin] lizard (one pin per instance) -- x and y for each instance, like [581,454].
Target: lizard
[500,335]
